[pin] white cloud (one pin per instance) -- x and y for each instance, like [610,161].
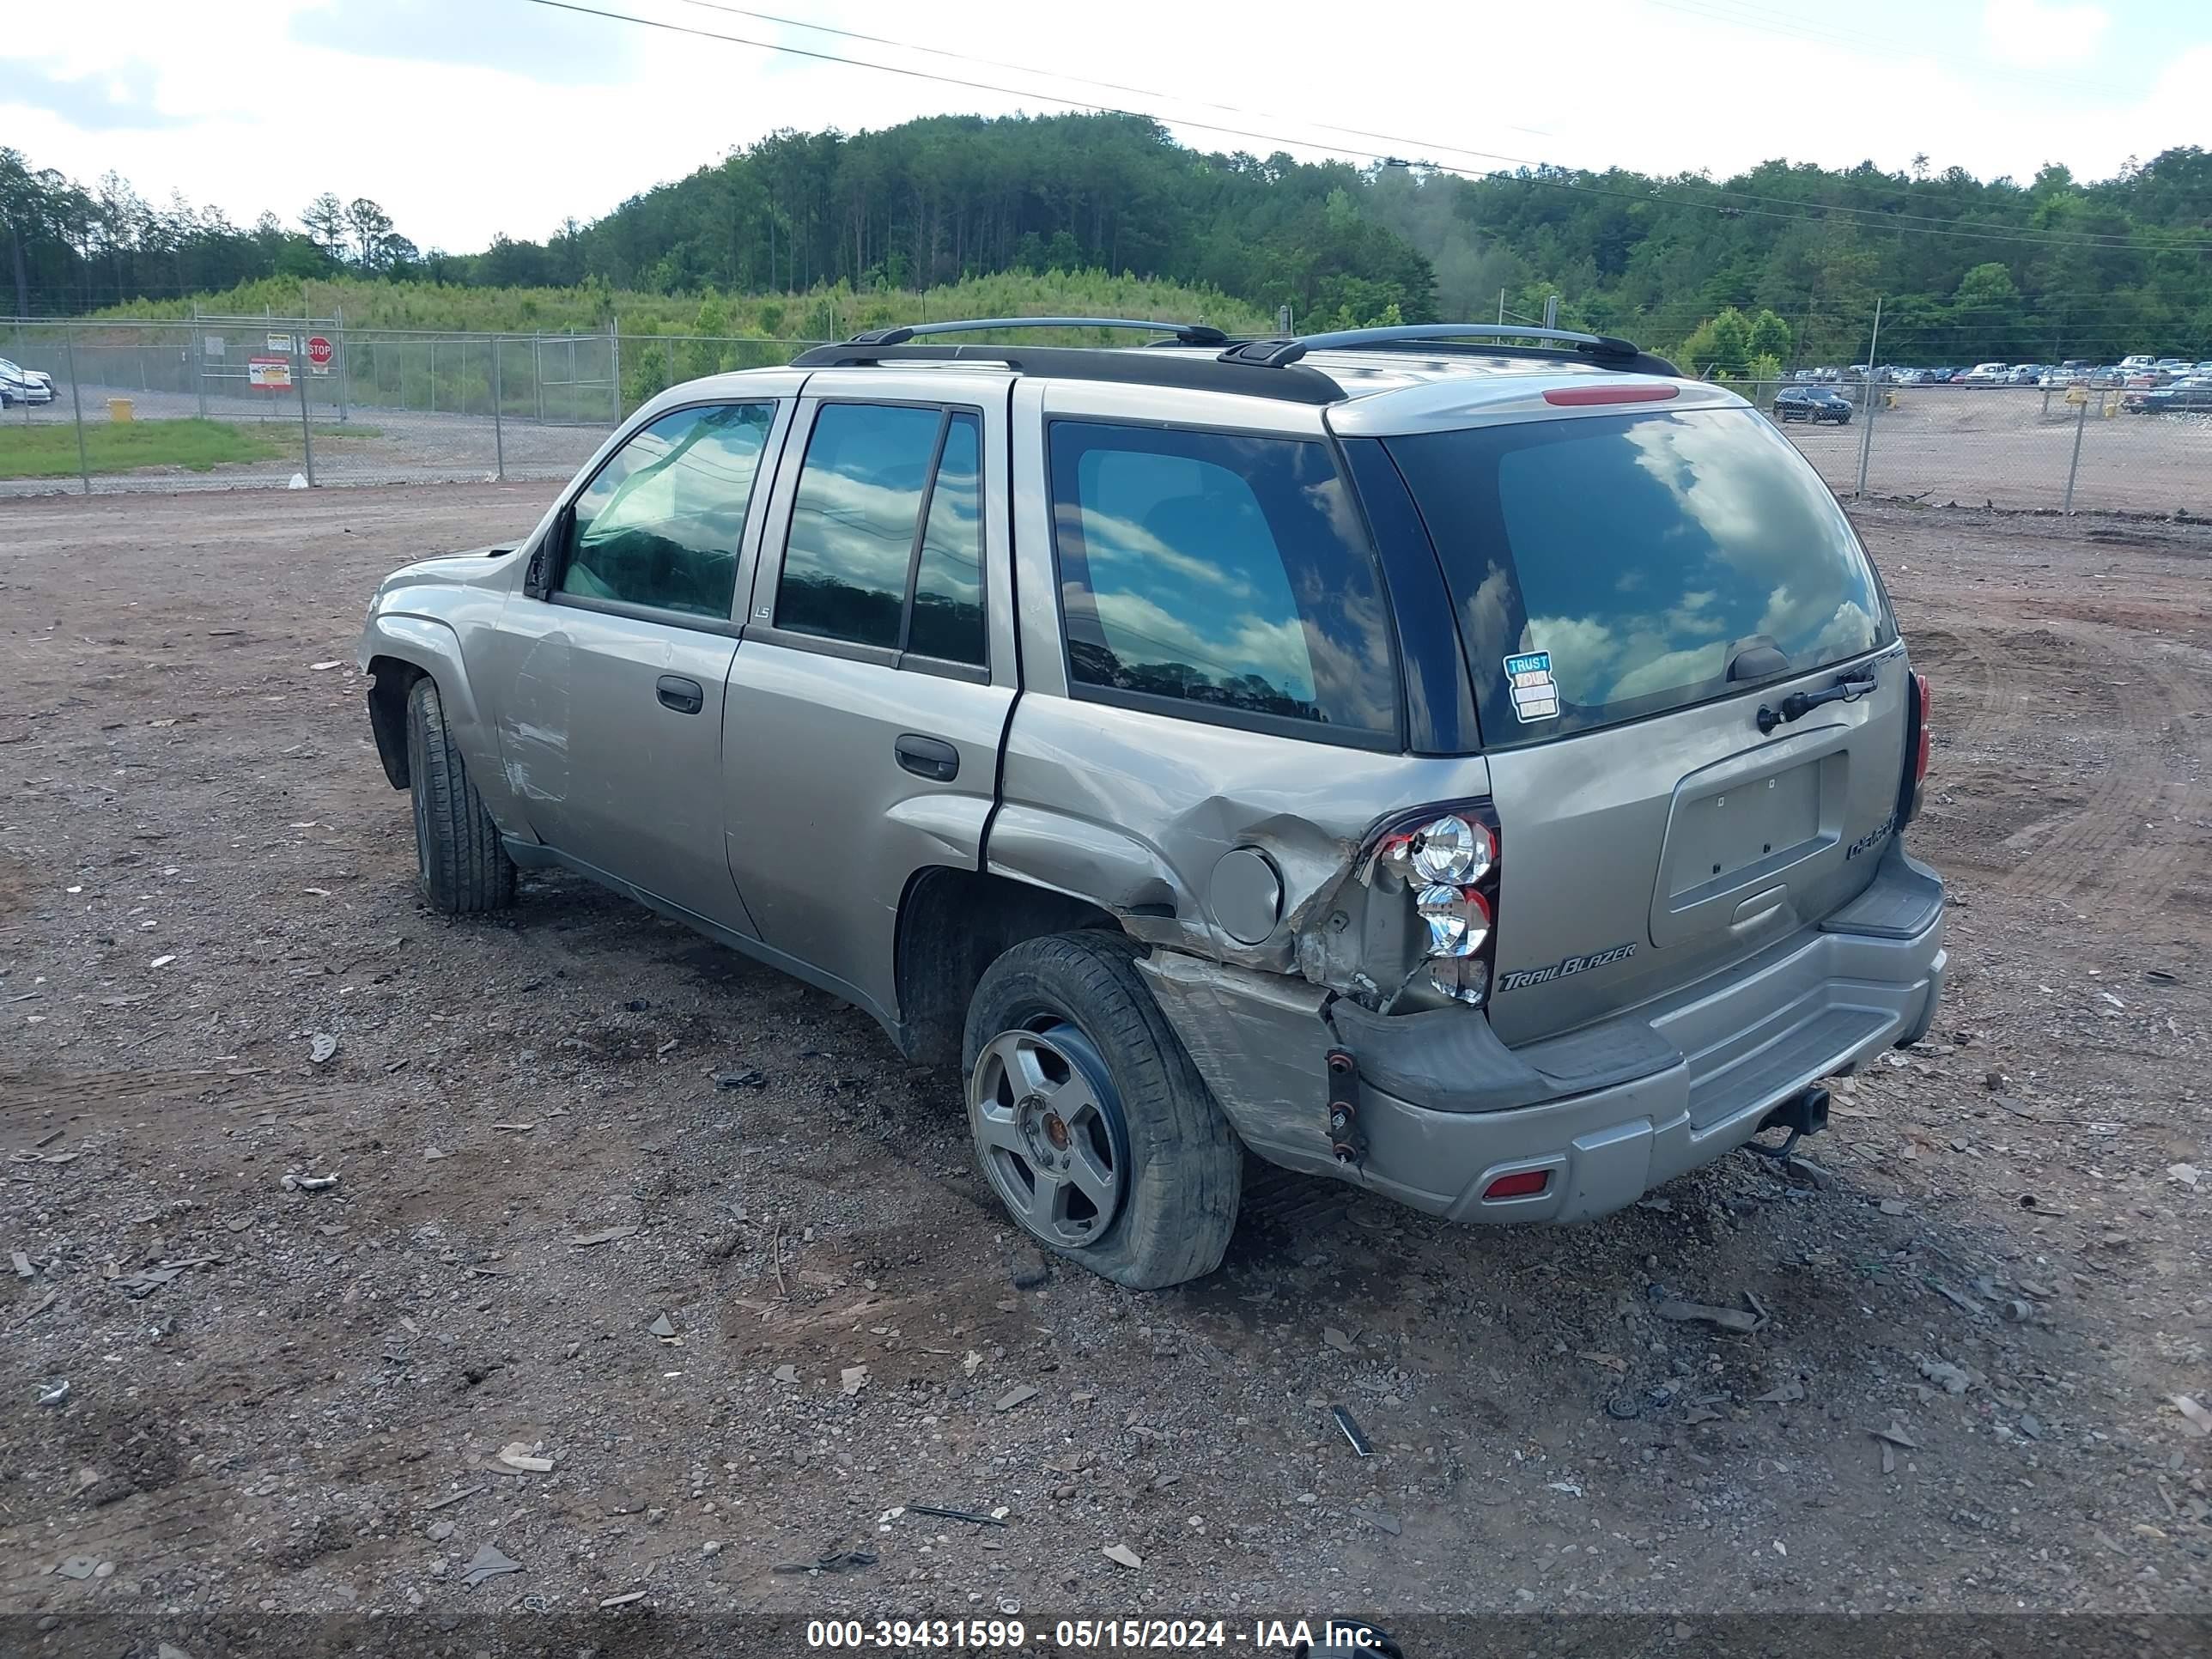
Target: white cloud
[2036,34]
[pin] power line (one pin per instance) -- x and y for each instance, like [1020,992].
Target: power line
[1884,218]
[1874,217]
[1884,221]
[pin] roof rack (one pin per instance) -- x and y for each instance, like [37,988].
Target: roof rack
[1275,354]
[1199,334]
[1294,384]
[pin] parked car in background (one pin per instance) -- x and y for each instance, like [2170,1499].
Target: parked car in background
[2188,396]
[1987,374]
[1122,729]
[28,386]
[1815,403]
[2136,364]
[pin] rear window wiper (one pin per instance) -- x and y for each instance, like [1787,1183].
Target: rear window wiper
[1798,704]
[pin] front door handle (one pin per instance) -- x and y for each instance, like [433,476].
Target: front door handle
[929,757]
[684,695]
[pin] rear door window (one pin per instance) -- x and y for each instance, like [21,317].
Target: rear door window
[1221,576]
[1609,567]
[886,548]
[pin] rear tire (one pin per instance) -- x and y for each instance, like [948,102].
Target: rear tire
[461,865]
[1180,1169]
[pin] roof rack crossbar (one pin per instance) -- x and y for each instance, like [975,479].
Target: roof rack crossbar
[1293,384]
[1276,354]
[1199,334]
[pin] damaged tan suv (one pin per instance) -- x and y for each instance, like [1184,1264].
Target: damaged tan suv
[1469,762]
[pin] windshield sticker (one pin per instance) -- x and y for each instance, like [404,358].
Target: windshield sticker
[1536,693]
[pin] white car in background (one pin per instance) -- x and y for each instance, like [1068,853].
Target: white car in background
[1987,374]
[24,386]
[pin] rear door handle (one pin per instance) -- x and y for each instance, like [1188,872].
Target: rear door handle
[929,757]
[676,692]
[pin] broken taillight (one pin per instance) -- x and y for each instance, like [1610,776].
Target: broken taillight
[1445,861]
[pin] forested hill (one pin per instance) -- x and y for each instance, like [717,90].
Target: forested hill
[1968,270]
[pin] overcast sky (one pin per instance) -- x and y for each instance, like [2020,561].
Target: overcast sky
[465,118]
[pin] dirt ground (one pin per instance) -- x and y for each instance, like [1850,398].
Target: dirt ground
[202,868]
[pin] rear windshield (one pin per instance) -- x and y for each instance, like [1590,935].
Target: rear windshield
[1610,567]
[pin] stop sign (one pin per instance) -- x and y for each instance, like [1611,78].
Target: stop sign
[319,352]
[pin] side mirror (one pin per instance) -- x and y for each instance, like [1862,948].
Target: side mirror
[538,579]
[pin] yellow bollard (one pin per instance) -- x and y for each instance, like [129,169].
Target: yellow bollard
[118,410]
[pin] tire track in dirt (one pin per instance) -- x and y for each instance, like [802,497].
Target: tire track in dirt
[2106,846]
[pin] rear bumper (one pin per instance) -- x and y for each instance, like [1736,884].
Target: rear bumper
[1607,1113]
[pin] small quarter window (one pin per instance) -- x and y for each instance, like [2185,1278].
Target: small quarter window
[947,620]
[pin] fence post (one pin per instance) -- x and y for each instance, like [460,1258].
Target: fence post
[1873,371]
[307,430]
[538,372]
[199,362]
[345,387]
[77,404]
[498,427]
[2080,420]
[614,373]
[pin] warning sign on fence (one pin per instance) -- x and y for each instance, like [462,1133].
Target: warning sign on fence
[319,354]
[281,343]
[270,373]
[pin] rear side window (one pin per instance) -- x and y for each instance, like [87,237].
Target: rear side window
[1611,568]
[886,546]
[1220,576]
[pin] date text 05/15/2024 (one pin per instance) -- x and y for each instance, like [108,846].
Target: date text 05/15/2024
[1166,1635]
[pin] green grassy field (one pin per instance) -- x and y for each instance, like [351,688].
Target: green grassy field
[49,451]
[821,313]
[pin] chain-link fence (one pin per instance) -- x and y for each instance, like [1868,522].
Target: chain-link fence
[221,402]
[2068,447]
[230,402]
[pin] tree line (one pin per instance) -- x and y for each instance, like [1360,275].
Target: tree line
[1967,269]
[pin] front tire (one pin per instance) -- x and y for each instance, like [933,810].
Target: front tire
[1091,1125]
[461,866]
